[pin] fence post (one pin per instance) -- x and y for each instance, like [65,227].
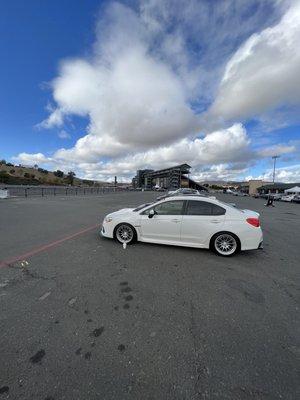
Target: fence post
[76,191]
[25,192]
[83,190]
[66,191]
[54,191]
[42,192]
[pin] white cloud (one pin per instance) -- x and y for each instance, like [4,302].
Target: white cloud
[56,118]
[63,134]
[290,174]
[31,159]
[131,98]
[220,147]
[141,85]
[278,149]
[264,72]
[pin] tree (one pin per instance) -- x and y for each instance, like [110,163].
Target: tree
[3,162]
[35,166]
[42,171]
[58,173]
[70,177]
[4,177]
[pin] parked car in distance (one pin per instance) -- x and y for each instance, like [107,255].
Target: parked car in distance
[242,194]
[288,197]
[276,196]
[296,199]
[191,221]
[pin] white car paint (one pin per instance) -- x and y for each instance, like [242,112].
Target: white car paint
[186,230]
[288,197]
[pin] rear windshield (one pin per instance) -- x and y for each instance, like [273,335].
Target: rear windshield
[229,205]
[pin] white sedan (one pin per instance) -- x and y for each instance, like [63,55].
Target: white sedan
[192,222]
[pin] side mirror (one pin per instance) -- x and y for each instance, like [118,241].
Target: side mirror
[151,213]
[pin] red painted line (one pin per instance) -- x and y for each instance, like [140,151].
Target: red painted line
[45,247]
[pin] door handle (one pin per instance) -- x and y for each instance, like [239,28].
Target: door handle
[215,221]
[175,220]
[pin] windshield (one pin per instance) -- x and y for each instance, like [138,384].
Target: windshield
[142,206]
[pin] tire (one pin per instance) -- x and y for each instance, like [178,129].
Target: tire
[225,244]
[122,230]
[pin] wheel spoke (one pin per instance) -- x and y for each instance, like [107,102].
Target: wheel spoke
[124,233]
[225,244]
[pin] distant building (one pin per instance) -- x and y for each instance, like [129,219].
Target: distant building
[140,181]
[169,178]
[251,187]
[276,187]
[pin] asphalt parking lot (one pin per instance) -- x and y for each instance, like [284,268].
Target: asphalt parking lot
[82,318]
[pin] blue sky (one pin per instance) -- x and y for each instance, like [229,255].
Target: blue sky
[34,37]
[105,88]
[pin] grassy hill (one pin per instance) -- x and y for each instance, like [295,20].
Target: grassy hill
[21,175]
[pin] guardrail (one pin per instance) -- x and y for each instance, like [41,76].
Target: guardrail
[26,191]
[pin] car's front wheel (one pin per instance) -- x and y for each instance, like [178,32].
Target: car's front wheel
[225,244]
[125,233]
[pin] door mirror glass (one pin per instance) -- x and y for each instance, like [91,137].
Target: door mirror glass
[151,213]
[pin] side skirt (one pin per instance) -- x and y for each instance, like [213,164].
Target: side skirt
[173,243]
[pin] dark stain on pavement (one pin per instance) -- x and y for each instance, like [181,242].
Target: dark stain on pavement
[126,289]
[126,306]
[4,389]
[98,331]
[129,297]
[116,308]
[88,355]
[37,358]
[250,290]
[89,320]
[78,351]
[124,283]
[121,347]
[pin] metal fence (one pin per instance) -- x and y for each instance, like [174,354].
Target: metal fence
[27,191]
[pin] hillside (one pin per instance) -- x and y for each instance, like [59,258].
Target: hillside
[21,175]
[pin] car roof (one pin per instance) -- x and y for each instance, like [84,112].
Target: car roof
[191,197]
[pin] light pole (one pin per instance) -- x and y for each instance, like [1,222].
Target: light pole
[274,158]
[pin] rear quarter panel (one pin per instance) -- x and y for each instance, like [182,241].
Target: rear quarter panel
[250,236]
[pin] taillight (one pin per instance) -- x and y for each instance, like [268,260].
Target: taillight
[253,221]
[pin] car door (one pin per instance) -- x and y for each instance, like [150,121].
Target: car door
[165,225]
[200,221]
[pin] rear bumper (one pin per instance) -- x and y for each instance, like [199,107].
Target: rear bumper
[253,241]
[261,245]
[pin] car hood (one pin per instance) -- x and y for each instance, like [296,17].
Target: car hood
[122,211]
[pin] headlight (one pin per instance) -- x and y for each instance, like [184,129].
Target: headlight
[108,219]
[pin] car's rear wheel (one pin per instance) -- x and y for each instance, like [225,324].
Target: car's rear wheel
[225,244]
[125,233]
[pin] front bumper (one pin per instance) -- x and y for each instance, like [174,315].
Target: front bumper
[106,232]
[261,245]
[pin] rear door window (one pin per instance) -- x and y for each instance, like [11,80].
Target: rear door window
[195,207]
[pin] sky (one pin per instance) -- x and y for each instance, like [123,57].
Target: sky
[104,88]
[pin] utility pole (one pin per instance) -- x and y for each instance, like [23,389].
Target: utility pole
[274,158]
